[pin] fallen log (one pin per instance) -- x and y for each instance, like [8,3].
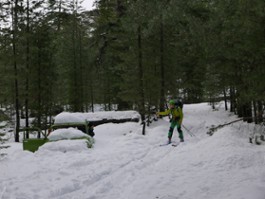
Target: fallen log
[115,121]
[214,129]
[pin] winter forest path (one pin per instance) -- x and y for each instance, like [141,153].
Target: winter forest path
[126,165]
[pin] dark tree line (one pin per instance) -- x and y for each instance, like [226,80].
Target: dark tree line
[56,56]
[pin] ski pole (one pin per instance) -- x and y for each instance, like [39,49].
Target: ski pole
[188,131]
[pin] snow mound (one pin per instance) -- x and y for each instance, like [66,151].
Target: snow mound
[66,134]
[65,146]
[66,117]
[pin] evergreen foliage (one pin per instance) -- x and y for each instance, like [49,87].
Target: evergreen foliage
[56,56]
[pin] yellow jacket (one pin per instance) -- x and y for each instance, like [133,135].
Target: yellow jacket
[176,113]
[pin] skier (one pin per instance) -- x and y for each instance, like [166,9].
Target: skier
[175,109]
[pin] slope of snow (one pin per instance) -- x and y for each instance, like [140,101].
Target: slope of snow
[126,165]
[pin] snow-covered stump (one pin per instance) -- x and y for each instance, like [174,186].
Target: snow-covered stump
[257,134]
[262,137]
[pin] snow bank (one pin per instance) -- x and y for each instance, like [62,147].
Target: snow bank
[65,146]
[66,134]
[66,117]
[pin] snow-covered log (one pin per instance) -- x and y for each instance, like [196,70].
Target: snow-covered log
[215,128]
[98,118]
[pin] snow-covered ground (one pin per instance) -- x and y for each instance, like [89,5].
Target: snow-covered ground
[126,165]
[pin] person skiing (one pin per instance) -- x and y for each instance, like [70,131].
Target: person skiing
[175,110]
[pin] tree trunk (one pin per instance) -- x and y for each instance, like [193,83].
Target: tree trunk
[260,112]
[232,99]
[247,112]
[81,84]
[162,67]
[14,43]
[39,87]
[75,89]
[92,94]
[255,112]
[141,78]
[59,16]
[225,99]
[27,74]
[120,9]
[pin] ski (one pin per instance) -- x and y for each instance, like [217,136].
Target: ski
[174,144]
[165,144]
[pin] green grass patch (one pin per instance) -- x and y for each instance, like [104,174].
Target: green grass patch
[33,144]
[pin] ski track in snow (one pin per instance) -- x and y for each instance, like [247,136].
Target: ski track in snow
[126,165]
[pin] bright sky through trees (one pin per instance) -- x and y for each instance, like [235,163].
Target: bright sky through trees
[88,4]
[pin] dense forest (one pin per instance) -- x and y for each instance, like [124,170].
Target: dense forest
[55,55]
